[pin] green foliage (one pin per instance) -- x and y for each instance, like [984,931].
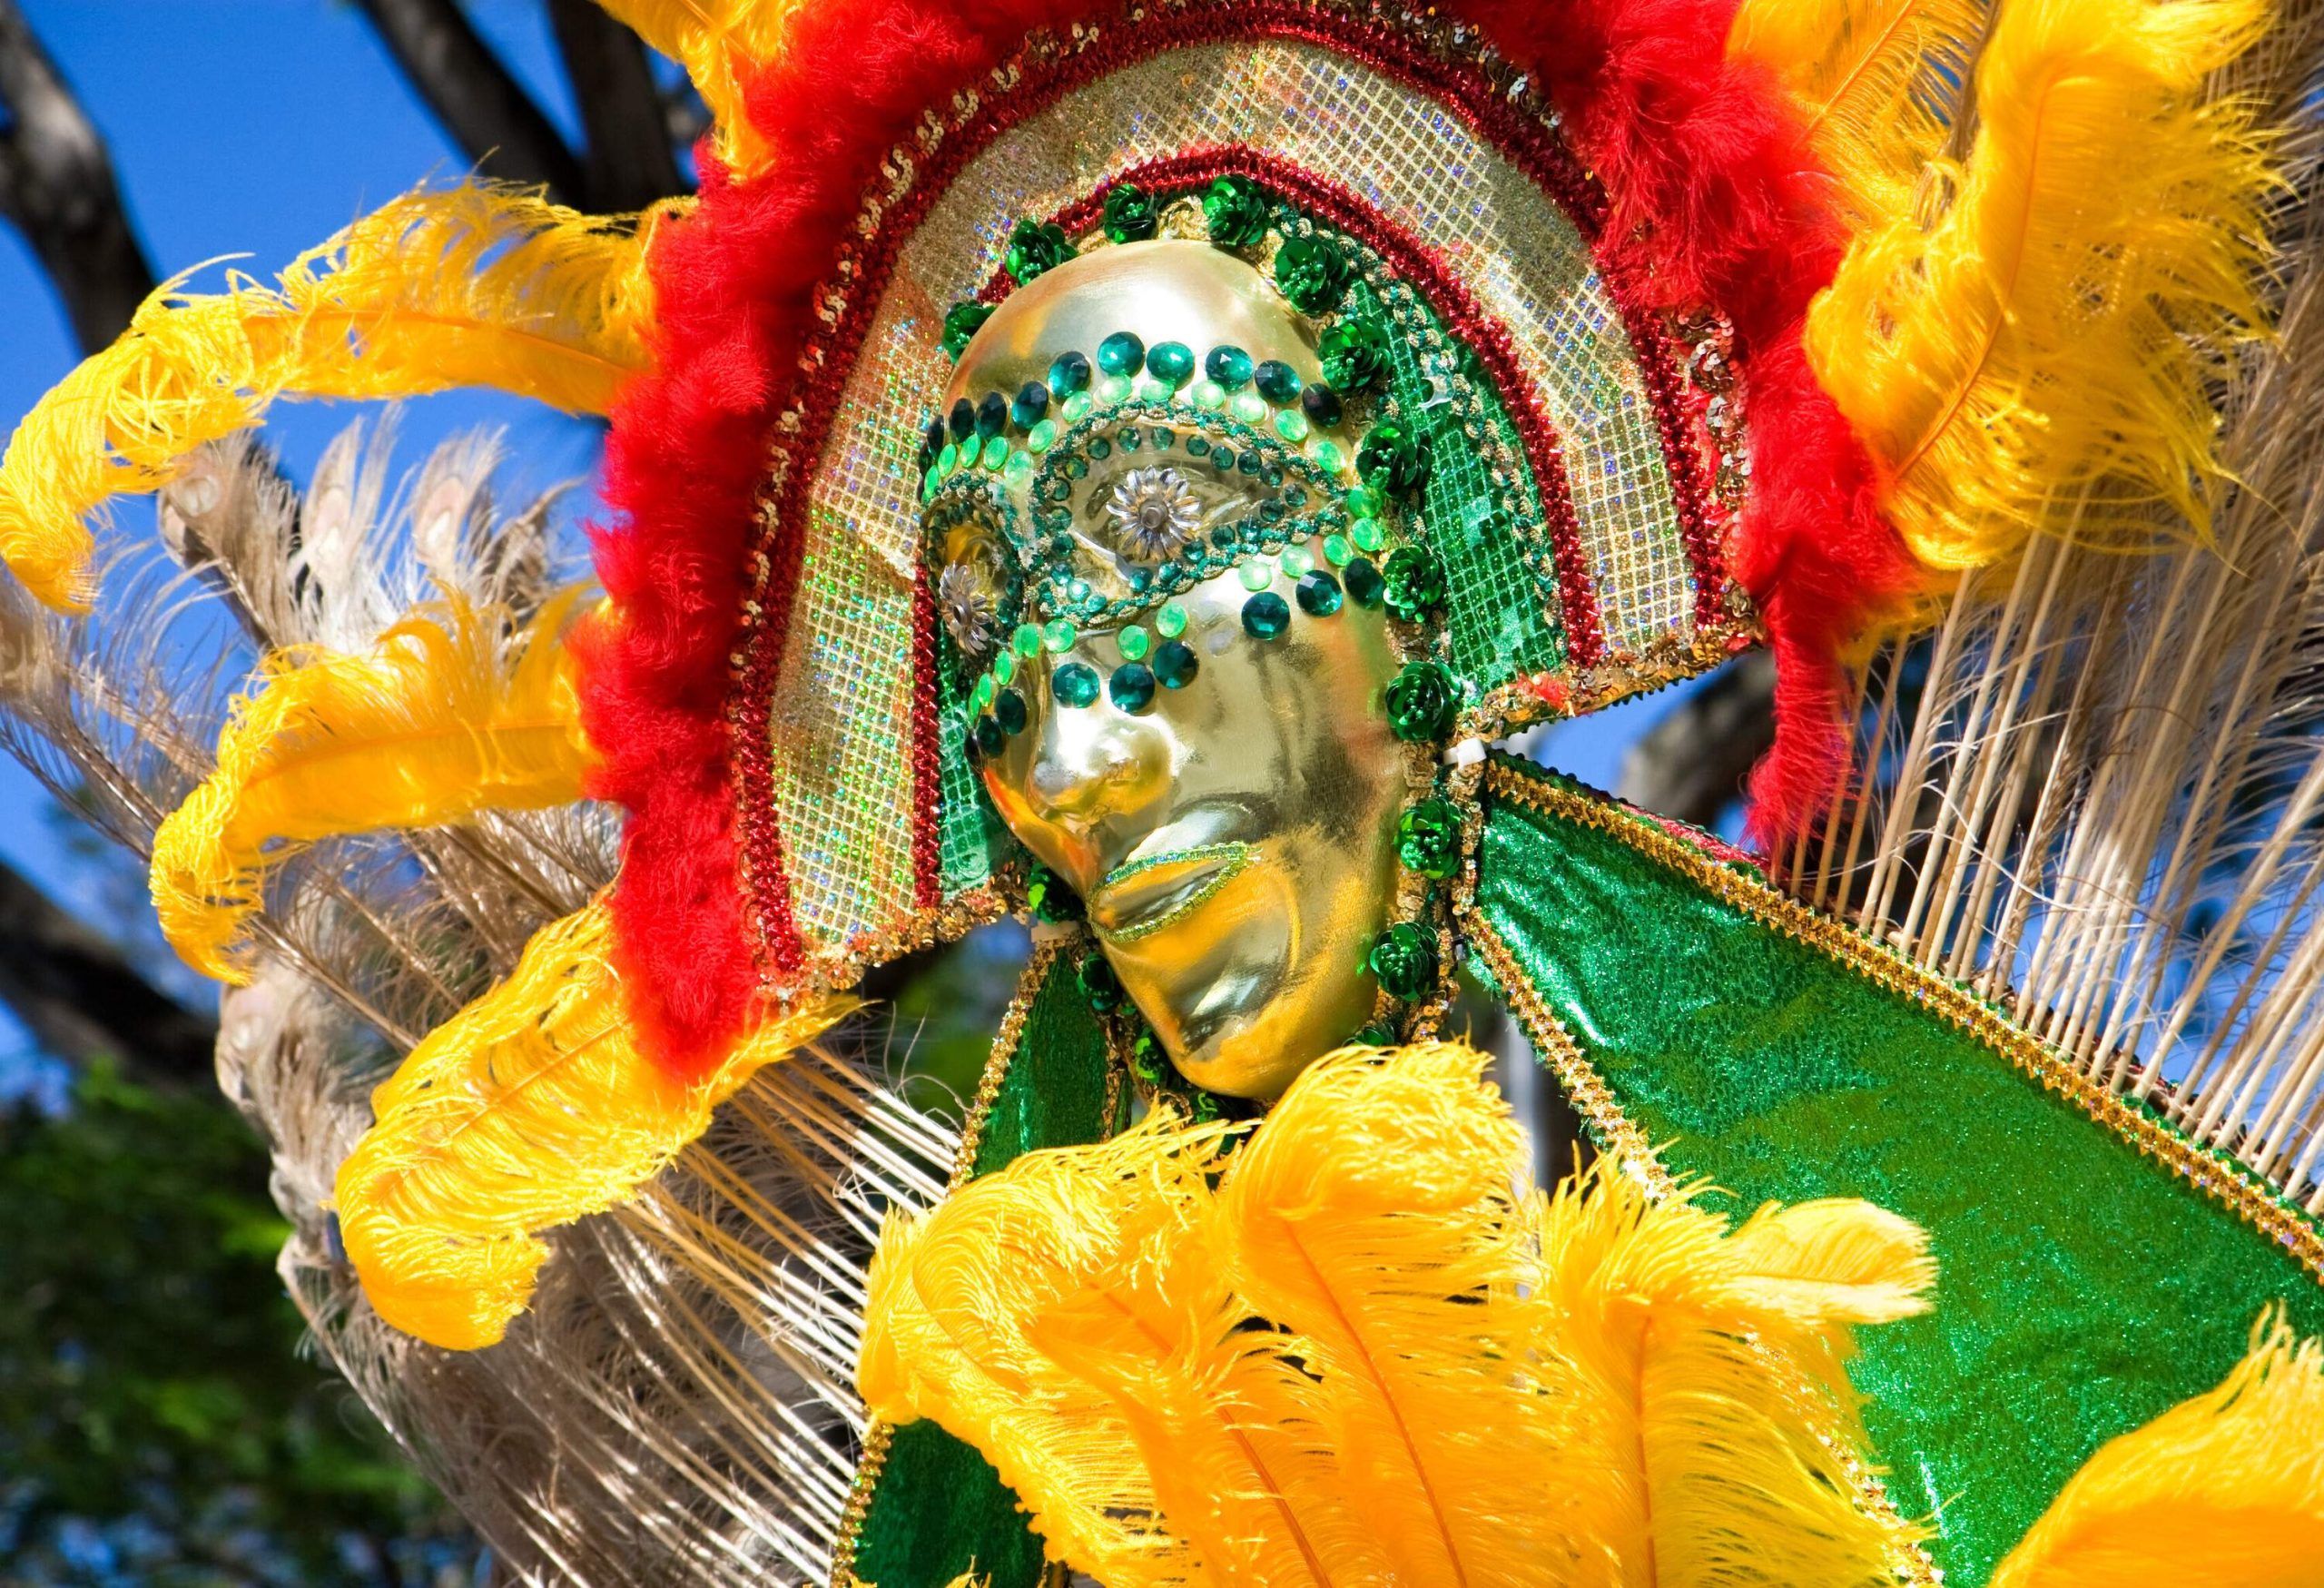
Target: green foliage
[158,1423]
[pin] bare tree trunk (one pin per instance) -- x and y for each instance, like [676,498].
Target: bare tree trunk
[82,1001]
[57,187]
[630,162]
[486,111]
[1693,764]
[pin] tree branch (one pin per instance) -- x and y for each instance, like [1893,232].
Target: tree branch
[82,1001]
[488,113]
[630,162]
[1692,765]
[57,187]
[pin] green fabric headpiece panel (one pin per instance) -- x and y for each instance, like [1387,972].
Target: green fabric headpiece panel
[2083,1288]
[939,1508]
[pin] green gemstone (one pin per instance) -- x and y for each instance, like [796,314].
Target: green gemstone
[1069,373]
[1257,574]
[1327,455]
[1114,389]
[1337,551]
[1009,711]
[1428,838]
[1405,962]
[980,697]
[1076,408]
[1171,361]
[1228,365]
[1363,502]
[1026,642]
[1018,470]
[1058,635]
[929,486]
[1209,396]
[1368,535]
[1374,1035]
[1171,621]
[1277,381]
[990,740]
[1133,643]
[1041,437]
[996,452]
[1265,616]
[1295,559]
[1290,425]
[1131,687]
[1422,702]
[1004,666]
[1174,664]
[1152,390]
[1075,685]
[1363,582]
[1121,354]
[948,459]
[1312,273]
[1415,584]
[1249,407]
[1318,594]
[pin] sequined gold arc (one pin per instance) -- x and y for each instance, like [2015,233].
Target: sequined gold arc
[844,794]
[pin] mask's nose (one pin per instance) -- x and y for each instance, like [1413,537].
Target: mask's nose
[1090,777]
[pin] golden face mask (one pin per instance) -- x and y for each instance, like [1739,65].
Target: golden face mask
[1192,733]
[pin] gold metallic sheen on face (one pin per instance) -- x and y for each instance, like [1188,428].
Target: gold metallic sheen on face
[1234,840]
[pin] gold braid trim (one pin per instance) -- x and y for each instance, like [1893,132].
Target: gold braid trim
[996,1069]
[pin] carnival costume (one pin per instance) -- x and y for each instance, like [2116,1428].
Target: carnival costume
[1134,470]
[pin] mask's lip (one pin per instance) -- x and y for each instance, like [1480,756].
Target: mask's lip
[1144,895]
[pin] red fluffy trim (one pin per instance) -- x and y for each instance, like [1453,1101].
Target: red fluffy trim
[1708,203]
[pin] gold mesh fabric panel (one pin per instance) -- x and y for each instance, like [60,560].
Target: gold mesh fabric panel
[846,802]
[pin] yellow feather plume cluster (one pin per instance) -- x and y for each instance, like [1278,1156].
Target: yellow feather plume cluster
[531,1107]
[454,713]
[473,286]
[720,43]
[2035,360]
[1357,1349]
[1874,81]
[2226,1490]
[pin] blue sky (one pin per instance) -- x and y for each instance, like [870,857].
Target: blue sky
[258,127]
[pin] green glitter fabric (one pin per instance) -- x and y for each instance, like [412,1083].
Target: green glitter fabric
[938,1507]
[2082,1290]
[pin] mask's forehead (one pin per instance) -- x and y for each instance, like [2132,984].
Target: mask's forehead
[1580,511]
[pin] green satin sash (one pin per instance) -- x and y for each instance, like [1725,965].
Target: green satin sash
[2086,1284]
[937,1507]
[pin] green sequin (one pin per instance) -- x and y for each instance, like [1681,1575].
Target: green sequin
[1132,215]
[1404,959]
[1428,838]
[1234,211]
[1035,248]
[1416,582]
[2082,1290]
[961,323]
[1422,703]
[1312,272]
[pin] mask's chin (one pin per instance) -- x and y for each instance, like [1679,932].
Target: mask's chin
[1231,995]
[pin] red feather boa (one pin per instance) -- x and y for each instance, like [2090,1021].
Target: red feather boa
[1707,188]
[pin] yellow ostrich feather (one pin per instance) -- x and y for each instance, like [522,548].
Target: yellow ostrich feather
[451,715]
[2226,1490]
[2035,360]
[470,286]
[1366,1352]
[531,1107]
[720,43]
[1709,1370]
[1874,81]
